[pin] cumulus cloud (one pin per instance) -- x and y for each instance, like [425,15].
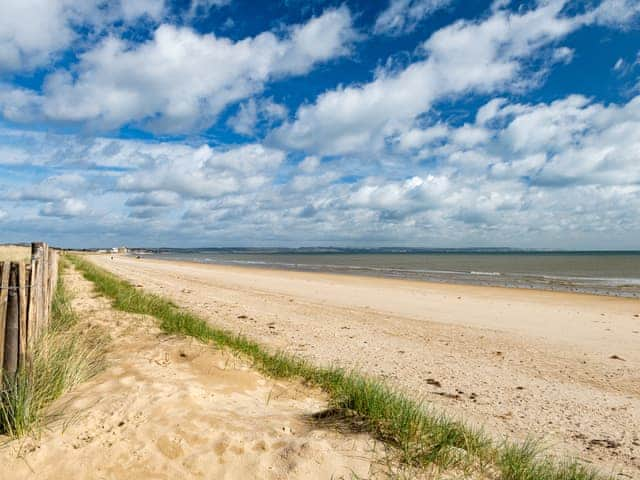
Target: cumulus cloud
[179,80]
[528,174]
[369,163]
[402,16]
[587,143]
[32,32]
[67,207]
[467,56]
[566,142]
[252,112]
[53,188]
[206,173]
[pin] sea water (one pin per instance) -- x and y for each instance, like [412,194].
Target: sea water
[604,273]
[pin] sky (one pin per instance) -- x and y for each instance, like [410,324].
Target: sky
[424,123]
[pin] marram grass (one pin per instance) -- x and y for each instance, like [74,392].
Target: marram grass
[424,438]
[64,356]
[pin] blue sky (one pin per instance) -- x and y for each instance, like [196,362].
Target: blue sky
[436,123]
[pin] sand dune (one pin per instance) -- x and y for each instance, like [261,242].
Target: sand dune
[173,408]
[554,365]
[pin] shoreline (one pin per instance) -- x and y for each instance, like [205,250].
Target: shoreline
[346,275]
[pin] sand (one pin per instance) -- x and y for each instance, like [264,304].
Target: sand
[14,253]
[558,366]
[170,407]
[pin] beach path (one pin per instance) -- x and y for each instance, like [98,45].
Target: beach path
[558,366]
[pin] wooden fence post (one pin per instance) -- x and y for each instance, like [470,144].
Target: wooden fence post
[23,295]
[52,279]
[12,323]
[4,297]
[26,300]
[35,294]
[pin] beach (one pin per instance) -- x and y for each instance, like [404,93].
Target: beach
[173,407]
[520,363]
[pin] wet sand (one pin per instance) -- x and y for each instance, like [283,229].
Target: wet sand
[559,366]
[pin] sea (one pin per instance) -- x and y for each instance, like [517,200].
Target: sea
[611,273]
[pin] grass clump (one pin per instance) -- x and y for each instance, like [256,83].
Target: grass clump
[525,462]
[64,356]
[423,438]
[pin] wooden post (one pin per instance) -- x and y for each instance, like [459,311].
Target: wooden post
[13,315]
[35,292]
[42,295]
[4,291]
[52,280]
[23,295]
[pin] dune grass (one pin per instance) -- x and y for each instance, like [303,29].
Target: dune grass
[424,438]
[64,356]
[14,253]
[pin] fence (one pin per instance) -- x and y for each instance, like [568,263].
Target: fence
[26,294]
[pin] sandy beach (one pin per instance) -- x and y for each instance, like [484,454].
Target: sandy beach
[558,366]
[169,407]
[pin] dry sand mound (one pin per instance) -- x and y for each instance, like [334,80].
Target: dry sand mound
[173,408]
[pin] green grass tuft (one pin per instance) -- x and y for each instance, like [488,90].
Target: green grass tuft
[422,437]
[525,462]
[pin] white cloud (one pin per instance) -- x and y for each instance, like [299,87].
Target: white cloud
[67,207]
[204,172]
[199,7]
[415,193]
[133,9]
[619,65]
[484,182]
[381,166]
[467,56]
[403,16]
[309,164]
[32,32]
[616,13]
[179,80]
[19,104]
[563,55]
[245,119]
[157,198]
[568,141]
[251,112]
[13,156]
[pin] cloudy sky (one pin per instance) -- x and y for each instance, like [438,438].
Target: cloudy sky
[442,123]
